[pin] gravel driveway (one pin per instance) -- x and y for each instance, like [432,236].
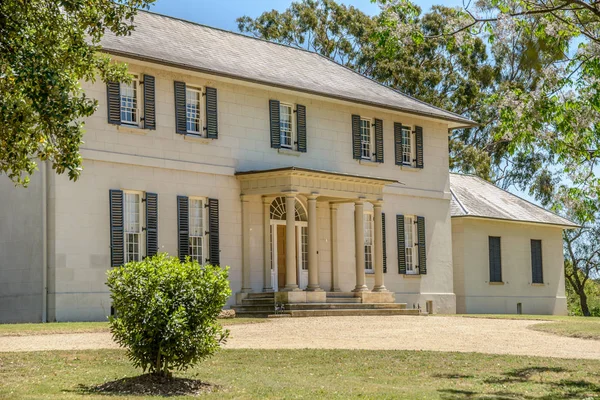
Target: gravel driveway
[494,336]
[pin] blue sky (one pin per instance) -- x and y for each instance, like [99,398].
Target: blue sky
[222,14]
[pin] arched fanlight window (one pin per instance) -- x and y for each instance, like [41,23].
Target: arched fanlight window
[278,210]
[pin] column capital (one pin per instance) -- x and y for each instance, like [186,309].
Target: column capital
[359,201]
[334,206]
[312,196]
[291,195]
[377,203]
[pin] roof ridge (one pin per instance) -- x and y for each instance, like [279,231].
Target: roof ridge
[514,195]
[313,53]
[228,31]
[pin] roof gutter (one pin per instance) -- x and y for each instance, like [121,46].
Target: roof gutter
[548,224]
[465,123]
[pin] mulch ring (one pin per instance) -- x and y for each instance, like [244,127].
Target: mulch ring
[154,385]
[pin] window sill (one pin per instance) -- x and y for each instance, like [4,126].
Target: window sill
[496,283]
[196,138]
[409,168]
[289,152]
[369,163]
[132,129]
[412,276]
[537,284]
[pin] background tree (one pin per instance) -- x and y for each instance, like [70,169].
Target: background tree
[582,264]
[47,47]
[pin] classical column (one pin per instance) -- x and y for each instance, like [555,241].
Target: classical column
[378,238]
[246,285]
[335,274]
[313,259]
[290,243]
[359,245]
[267,285]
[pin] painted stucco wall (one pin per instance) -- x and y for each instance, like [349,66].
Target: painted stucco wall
[169,164]
[474,293]
[21,250]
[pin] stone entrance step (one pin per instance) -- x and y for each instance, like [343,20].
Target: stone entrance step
[344,299]
[351,312]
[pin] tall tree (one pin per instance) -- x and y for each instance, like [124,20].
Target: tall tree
[582,261]
[47,47]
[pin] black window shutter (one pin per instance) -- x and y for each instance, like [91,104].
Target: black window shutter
[117,247]
[398,143]
[536,261]
[383,240]
[275,128]
[422,248]
[356,137]
[301,127]
[180,117]
[151,224]
[401,244]
[495,259]
[419,143]
[212,125]
[113,102]
[378,140]
[213,232]
[183,227]
[149,102]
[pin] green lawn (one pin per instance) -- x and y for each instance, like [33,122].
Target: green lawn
[579,327]
[84,327]
[310,374]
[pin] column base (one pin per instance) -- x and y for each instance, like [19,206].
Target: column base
[335,289]
[314,288]
[268,290]
[360,288]
[291,288]
[380,289]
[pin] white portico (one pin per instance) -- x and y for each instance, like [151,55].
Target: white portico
[290,197]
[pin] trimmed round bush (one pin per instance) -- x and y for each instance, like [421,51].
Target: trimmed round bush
[166,311]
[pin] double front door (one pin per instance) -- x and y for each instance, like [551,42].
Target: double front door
[278,255]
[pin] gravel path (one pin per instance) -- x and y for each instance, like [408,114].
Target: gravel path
[494,336]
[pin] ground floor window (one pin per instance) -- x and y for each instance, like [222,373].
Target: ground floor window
[410,244]
[197,233]
[132,226]
[368,226]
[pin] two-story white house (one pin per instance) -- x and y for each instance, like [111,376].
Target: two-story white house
[309,180]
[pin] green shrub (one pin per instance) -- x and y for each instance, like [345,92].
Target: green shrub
[166,311]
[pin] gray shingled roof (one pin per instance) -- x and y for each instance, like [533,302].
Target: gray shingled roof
[475,197]
[171,41]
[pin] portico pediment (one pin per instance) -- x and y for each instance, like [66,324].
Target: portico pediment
[307,181]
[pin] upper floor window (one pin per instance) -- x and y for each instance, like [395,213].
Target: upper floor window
[286,126]
[366,138]
[193,118]
[368,226]
[132,225]
[130,102]
[408,146]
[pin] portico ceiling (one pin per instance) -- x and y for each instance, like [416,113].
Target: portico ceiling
[333,185]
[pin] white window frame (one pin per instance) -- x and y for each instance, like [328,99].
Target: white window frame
[371,143]
[196,239]
[293,135]
[198,91]
[369,229]
[412,153]
[411,246]
[135,83]
[128,229]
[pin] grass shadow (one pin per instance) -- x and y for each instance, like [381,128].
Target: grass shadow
[150,385]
